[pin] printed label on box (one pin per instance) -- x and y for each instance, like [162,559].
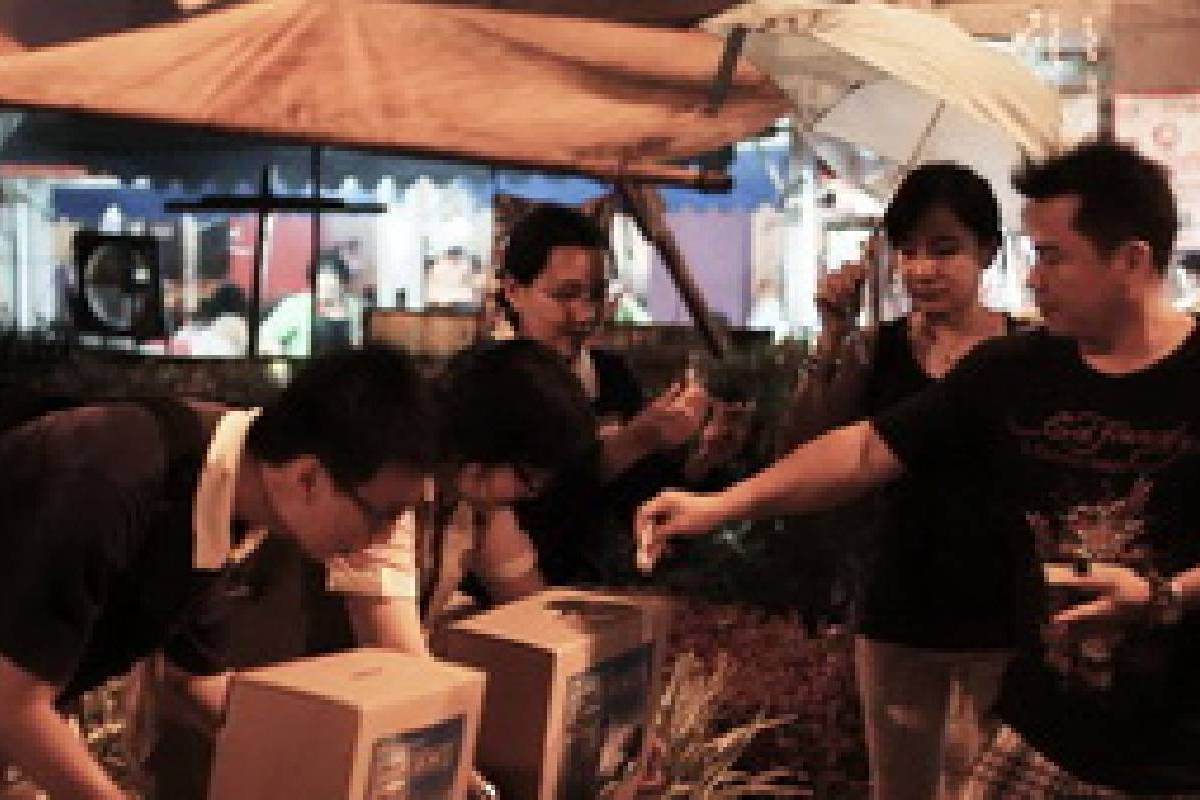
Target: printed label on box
[417,765]
[605,713]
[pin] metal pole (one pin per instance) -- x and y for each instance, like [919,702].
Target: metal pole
[1105,83]
[315,244]
[259,253]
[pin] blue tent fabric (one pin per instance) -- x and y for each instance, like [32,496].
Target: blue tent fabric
[751,169]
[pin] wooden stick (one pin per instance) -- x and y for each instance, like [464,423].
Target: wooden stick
[645,205]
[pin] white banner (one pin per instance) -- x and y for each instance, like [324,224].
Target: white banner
[1167,128]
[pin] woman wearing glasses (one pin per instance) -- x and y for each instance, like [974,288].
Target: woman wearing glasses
[554,290]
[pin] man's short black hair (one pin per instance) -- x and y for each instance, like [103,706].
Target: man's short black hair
[543,228]
[514,403]
[1123,195]
[956,188]
[357,411]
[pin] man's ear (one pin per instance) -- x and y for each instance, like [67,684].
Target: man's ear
[1137,257]
[508,290]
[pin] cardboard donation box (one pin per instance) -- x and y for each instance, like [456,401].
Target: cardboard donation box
[572,685]
[361,725]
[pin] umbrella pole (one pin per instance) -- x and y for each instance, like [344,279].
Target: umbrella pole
[724,77]
[877,266]
[256,271]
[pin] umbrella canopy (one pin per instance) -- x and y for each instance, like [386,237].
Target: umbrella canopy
[908,86]
[519,89]
[676,13]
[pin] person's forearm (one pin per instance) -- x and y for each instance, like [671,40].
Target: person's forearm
[38,741]
[829,393]
[392,623]
[839,466]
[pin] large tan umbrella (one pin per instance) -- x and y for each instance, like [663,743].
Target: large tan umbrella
[515,89]
[523,90]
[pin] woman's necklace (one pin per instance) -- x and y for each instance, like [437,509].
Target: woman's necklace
[938,348]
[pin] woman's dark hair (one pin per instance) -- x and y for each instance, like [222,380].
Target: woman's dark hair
[357,411]
[516,403]
[956,188]
[1123,195]
[541,230]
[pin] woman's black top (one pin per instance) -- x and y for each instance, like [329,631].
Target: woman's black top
[936,579]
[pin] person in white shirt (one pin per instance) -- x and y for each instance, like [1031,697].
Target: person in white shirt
[513,415]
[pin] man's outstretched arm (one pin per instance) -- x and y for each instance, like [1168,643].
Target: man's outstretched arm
[823,473]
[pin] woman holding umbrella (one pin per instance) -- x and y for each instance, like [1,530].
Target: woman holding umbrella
[938,620]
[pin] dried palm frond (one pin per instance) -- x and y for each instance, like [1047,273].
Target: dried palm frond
[689,759]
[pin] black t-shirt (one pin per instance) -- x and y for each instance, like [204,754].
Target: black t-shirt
[619,395]
[936,580]
[96,532]
[1058,448]
[580,526]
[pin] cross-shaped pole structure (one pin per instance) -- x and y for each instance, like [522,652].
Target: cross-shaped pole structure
[263,204]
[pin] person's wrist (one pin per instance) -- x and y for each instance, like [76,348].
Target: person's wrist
[733,503]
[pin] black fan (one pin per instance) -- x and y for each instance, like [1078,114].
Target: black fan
[118,288]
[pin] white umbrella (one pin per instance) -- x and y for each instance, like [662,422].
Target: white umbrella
[909,86]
